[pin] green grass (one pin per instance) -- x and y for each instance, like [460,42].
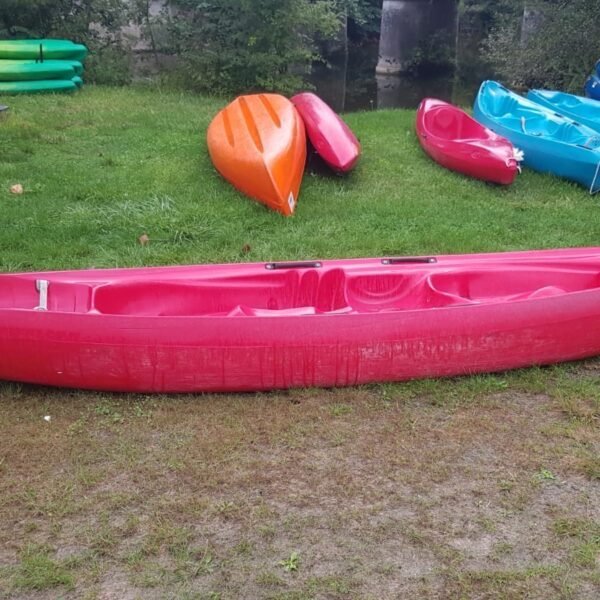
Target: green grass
[473,487]
[104,166]
[38,571]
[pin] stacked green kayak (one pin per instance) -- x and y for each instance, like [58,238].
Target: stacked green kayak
[38,66]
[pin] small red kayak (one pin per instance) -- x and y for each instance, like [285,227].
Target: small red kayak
[331,137]
[458,142]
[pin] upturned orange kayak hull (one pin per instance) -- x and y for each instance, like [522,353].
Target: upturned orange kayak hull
[258,144]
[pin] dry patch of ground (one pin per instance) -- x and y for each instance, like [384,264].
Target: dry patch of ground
[480,487]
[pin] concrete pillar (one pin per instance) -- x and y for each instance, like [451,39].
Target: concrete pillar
[407,24]
[403,26]
[532,20]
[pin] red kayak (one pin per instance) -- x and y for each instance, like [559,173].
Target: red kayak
[458,142]
[281,325]
[330,136]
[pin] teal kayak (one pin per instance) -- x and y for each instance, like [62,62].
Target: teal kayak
[28,70]
[77,81]
[50,49]
[582,110]
[551,142]
[37,87]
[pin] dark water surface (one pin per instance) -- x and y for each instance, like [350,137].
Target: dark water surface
[347,82]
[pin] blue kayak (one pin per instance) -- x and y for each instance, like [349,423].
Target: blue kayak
[592,87]
[551,142]
[598,68]
[582,110]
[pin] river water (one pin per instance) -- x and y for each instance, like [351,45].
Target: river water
[347,80]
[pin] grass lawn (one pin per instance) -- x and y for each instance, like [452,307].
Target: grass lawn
[478,487]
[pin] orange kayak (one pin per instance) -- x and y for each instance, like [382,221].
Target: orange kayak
[258,144]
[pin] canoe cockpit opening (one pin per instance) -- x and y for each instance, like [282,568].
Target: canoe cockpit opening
[499,103]
[298,292]
[519,284]
[336,291]
[447,123]
[272,290]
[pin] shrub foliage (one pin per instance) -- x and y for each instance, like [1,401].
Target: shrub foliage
[559,54]
[232,45]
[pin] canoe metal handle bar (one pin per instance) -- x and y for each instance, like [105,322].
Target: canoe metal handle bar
[409,260]
[293,265]
[41,285]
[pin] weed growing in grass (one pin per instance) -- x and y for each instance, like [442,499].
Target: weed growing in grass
[545,475]
[108,410]
[291,563]
[338,410]
[225,507]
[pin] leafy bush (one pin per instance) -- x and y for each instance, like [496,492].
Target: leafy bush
[560,54]
[242,45]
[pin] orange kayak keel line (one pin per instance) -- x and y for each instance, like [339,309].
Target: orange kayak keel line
[258,144]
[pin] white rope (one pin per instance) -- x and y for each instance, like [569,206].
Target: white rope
[592,192]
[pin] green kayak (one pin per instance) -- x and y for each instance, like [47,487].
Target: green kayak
[77,66]
[27,70]
[37,87]
[50,49]
[77,81]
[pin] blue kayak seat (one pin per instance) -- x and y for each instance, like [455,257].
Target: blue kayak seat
[527,128]
[591,143]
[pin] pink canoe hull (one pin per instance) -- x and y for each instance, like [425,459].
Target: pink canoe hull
[332,139]
[244,327]
[458,142]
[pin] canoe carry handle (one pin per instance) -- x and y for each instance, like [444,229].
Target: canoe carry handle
[409,260]
[41,285]
[293,265]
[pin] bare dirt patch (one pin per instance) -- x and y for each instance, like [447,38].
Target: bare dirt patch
[477,488]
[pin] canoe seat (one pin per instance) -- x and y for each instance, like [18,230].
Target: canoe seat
[447,123]
[518,284]
[269,291]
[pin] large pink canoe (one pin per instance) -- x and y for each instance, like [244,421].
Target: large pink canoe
[332,139]
[280,325]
